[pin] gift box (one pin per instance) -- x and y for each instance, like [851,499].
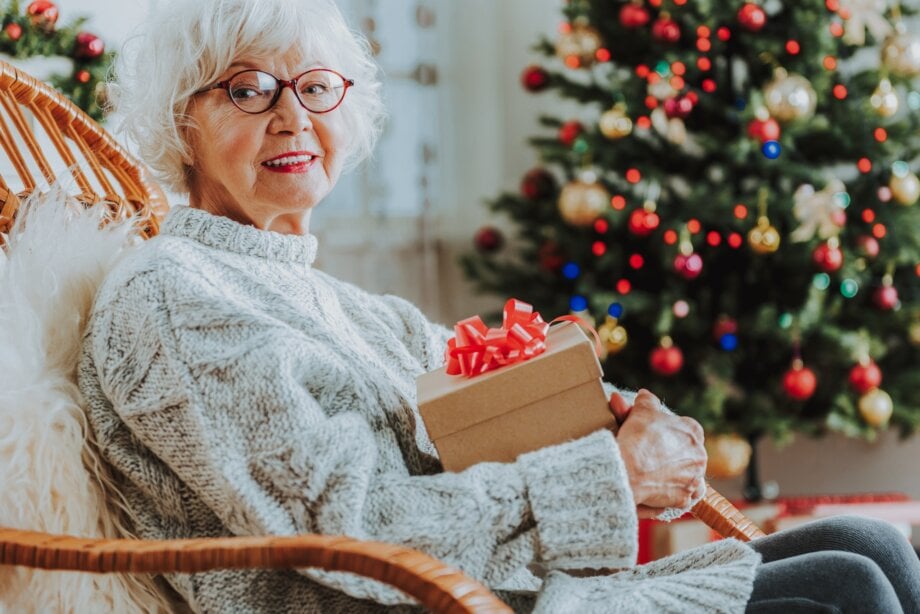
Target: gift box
[495,415]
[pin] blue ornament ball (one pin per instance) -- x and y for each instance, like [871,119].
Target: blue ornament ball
[771,149]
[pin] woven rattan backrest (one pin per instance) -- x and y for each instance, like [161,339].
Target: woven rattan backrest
[101,169]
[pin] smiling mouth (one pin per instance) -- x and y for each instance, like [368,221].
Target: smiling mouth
[290,161]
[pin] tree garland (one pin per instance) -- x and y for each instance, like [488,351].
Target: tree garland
[84,61]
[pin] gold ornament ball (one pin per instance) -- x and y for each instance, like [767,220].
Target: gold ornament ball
[615,124]
[790,96]
[884,99]
[582,42]
[875,407]
[914,333]
[901,54]
[613,337]
[580,202]
[729,455]
[764,238]
[906,189]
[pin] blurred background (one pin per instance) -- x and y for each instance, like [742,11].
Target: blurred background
[457,137]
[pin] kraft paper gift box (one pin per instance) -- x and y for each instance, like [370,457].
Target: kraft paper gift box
[550,398]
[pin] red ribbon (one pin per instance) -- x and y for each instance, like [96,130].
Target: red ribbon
[477,349]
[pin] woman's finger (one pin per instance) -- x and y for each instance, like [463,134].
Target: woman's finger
[619,407]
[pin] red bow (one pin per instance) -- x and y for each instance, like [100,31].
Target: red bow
[476,349]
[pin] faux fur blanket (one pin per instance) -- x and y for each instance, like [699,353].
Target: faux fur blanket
[55,258]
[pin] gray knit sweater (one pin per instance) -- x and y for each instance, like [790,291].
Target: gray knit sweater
[236,390]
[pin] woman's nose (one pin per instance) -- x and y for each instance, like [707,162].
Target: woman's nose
[290,115]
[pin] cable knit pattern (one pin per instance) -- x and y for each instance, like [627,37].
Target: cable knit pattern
[237,390]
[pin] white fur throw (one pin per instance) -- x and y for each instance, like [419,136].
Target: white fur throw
[50,481]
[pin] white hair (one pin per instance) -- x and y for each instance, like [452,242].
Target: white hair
[185,45]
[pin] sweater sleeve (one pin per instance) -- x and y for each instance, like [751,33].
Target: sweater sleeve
[217,394]
[426,340]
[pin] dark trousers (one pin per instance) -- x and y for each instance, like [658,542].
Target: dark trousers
[842,564]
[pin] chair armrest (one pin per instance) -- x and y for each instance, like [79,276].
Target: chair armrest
[436,586]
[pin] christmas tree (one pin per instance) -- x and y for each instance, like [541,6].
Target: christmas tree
[735,209]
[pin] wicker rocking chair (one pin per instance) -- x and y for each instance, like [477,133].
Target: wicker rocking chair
[106,172]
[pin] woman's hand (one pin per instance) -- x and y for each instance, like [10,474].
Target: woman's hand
[663,453]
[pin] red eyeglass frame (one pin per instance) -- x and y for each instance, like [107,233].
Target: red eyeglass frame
[291,83]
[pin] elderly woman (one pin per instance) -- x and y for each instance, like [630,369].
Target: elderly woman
[233,389]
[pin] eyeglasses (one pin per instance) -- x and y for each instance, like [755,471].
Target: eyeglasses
[255,91]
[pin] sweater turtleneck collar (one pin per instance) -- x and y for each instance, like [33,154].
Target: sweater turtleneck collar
[223,233]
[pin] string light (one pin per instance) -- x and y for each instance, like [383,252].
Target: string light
[836,29]
[644,122]
[703,63]
[599,248]
[678,68]
[793,47]
[636,261]
[703,31]
[830,62]
[822,281]
[633,175]
[864,165]
[571,270]
[709,86]
[703,44]
[602,55]
[600,226]
[578,303]
[681,309]
[670,237]
[624,287]
[741,212]
[651,102]
[642,71]
[618,202]
[735,240]
[693,226]
[714,238]
[840,91]
[615,310]
[724,33]
[849,288]
[879,231]
[868,216]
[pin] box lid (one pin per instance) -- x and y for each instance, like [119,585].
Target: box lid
[449,403]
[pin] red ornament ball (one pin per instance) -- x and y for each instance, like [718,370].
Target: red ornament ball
[868,246]
[751,17]
[88,46]
[634,15]
[537,184]
[828,258]
[864,378]
[764,129]
[885,297]
[724,326]
[679,106]
[666,360]
[799,383]
[570,131]
[643,223]
[488,239]
[13,31]
[665,30]
[689,267]
[535,79]
[549,257]
[43,14]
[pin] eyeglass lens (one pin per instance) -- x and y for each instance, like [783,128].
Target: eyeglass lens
[253,90]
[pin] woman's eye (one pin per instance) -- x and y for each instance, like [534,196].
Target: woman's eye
[315,89]
[241,93]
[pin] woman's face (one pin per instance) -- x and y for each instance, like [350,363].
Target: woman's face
[235,166]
